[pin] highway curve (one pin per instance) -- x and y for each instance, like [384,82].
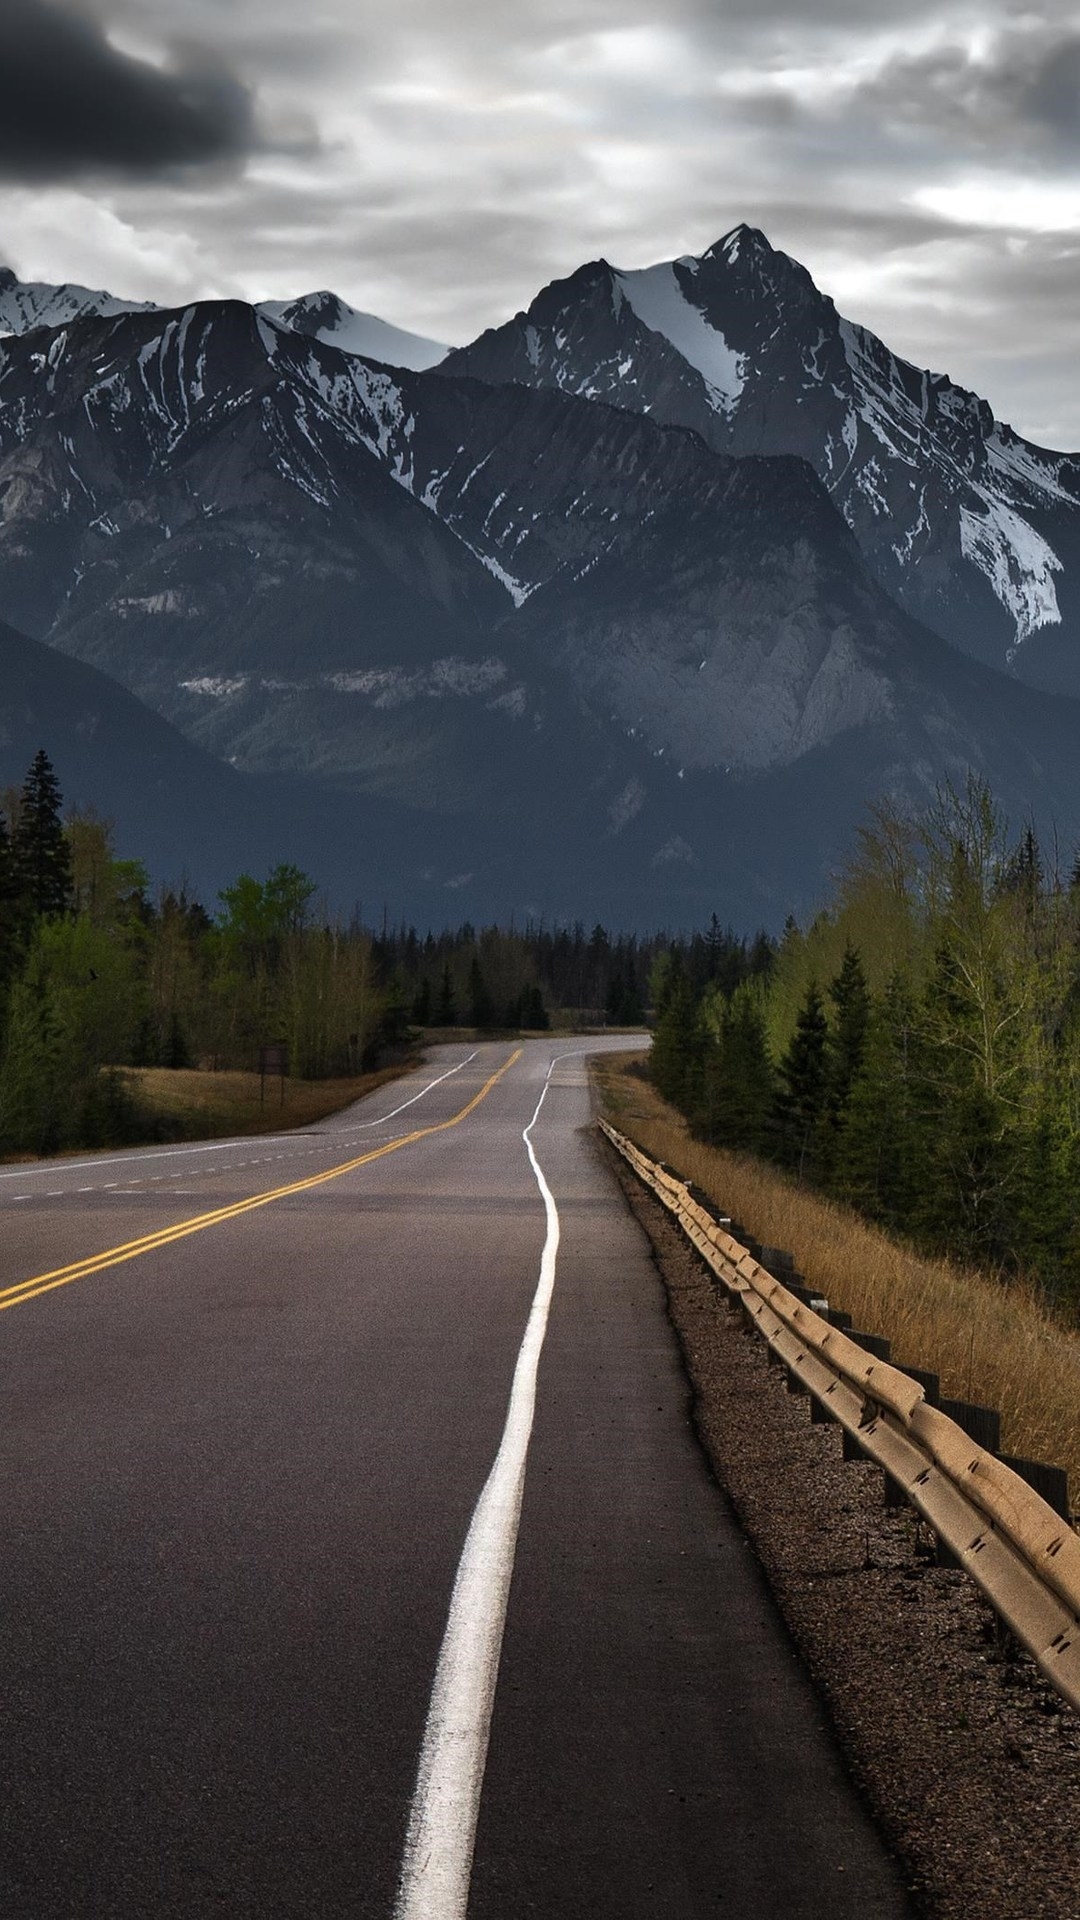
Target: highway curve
[252,1598]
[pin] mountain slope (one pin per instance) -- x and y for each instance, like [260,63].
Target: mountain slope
[970,528]
[508,648]
[323,316]
[28,304]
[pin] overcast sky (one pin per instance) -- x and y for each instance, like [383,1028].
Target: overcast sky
[436,161]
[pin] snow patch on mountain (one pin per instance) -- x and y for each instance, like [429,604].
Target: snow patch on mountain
[323,316]
[26,304]
[1016,560]
[658,299]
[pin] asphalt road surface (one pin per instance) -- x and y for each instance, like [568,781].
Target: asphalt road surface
[358,1555]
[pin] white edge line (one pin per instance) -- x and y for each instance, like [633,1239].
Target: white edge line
[363,1125]
[437,1863]
[218,1146]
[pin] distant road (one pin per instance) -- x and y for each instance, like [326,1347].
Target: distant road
[252,1582]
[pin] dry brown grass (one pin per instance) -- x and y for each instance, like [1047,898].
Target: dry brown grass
[204,1106]
[990,1342]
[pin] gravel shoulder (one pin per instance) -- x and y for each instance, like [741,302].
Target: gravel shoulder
[968,1760]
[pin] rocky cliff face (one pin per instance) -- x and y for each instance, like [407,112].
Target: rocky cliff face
[967,526]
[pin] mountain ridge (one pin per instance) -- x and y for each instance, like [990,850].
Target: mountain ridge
[536,642]
[972,529]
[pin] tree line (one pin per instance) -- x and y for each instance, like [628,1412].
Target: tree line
[915,1050]
[98,973]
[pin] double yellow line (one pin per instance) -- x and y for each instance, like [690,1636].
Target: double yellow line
[131,1250]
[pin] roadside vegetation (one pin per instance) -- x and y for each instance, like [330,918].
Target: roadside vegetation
[130,1014]
[915,1051]
[190,1105]
[997,1344]
[894,1094]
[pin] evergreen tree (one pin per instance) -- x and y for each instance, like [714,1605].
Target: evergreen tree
[879,1155]
[446,1008]
[481,1004]
[803,1095]
[850,996]
[39,846]
[850,999]
[738,1084]
[532,1012]
[675,1062]
[421,1006]
[176,1052]
[10,916]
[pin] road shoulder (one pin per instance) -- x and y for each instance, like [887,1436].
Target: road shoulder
[966,1757]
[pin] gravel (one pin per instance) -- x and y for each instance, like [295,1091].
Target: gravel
[967,1758]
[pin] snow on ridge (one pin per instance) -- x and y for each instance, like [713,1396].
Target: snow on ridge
[1017,562]
[26,304]
[1021,463]
[352,331]
[660,304]
[518,592]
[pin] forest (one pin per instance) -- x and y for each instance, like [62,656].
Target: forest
[99,972]
[915,1050]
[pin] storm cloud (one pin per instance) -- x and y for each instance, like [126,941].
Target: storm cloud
[72,103]
[437,161]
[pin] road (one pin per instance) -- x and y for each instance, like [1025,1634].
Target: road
[359,1558]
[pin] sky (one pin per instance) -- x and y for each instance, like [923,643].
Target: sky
[437,161]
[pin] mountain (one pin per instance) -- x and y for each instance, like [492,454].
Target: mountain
[968,527]
[323,316]
[172,804]
[507,648]
[26,304]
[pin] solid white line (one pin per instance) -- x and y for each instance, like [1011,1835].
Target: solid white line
[362,1125]
[225,1146]
[439,1844]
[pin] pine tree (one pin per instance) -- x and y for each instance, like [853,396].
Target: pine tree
[880,1151]
[738,1085]
[850,996]
[675,1062]
[10,916]
[446,1008]
[803,1095]
[39,846]
[481,1005]
[532,1012]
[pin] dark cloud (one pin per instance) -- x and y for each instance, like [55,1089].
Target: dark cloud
[73,104]
[1020,92]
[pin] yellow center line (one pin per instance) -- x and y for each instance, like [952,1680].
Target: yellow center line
[115,1256]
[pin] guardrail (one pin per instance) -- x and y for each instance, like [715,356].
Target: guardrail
[1022,1555]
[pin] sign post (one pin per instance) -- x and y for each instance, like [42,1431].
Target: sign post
[273,1058]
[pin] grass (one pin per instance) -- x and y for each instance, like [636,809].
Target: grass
[187,1104]
[991,1342]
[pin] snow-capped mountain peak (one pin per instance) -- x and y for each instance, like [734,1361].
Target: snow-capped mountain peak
[972,529]
[26,304]
[326,317]
[662,297]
